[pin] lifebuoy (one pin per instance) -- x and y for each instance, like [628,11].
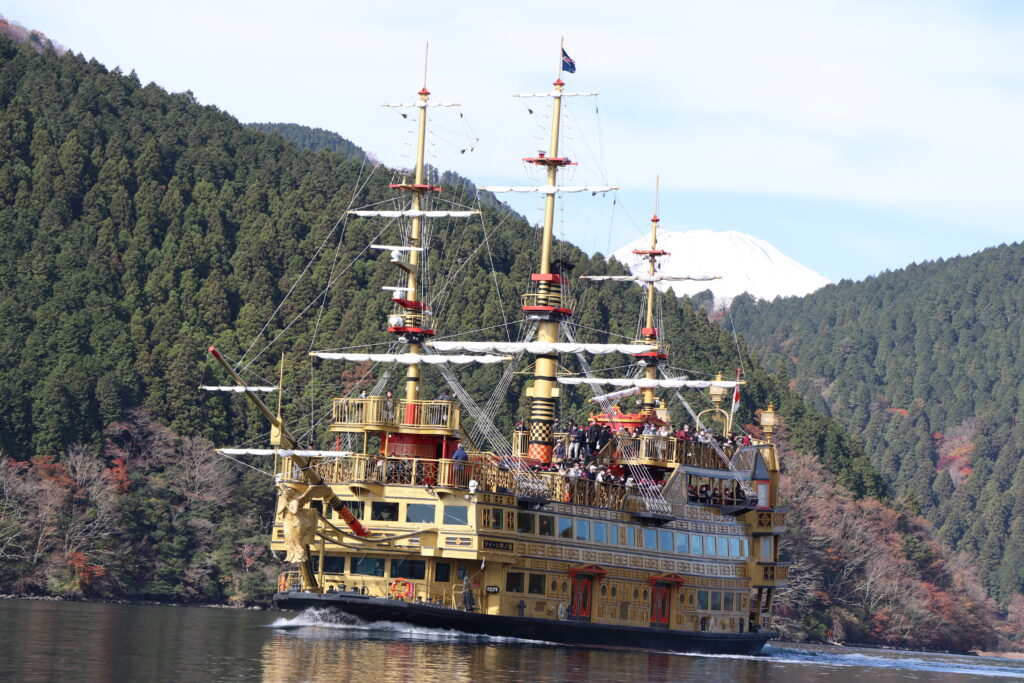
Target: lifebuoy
[400,588]
[282,583]
[562,612]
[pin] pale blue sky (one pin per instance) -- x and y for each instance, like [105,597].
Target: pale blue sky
[854,136]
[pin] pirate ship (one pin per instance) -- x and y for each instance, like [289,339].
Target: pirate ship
[416,524]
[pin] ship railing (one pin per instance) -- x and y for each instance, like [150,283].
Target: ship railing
[581,491]
[770,520]
[390,412]
[521,441]
[648,447]
[699,454]
[544,299]
[366,469]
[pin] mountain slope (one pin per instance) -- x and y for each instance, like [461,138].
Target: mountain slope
[743,262]
[927,363]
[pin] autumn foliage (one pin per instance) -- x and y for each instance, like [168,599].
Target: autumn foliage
[864,572]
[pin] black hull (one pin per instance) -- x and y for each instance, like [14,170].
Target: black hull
[550,630]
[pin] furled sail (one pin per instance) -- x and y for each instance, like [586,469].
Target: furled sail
[407,358]
[550,189]
[645,383]
[615,395]
[414,213]
[284,452]
[536,347]
[657,277]
[239,390]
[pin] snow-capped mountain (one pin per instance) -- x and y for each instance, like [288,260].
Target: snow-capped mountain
[745,264]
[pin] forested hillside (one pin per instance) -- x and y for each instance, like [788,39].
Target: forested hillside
[926,365]
[138,227]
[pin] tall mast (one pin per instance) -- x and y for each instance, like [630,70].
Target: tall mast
[650,334]
[549,296]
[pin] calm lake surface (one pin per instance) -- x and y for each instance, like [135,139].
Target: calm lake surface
[51,641]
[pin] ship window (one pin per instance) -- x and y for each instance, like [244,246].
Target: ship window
[728,602]
[419,513]
[355,507]
[716,601]
[537,584]
[564,527]
[333,564]
[723,546]
[697,544]
[371,566]
[384,512]
[682,543]
[547,525]
[666,540]
[766,548]
[734,547]
[709,545]
[456,514]
[514,582]
[615,591]
[443,572]
[702,600]
[525,523]
[743,548]
[582,530]
[604,589]
[600,532]
[496,519]
[651,538]
[554,587]
[409,569]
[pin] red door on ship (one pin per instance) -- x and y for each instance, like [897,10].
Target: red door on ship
[582,592]
[660,605]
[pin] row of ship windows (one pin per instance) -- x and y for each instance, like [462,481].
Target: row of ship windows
[563,527]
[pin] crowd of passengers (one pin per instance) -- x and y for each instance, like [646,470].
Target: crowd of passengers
[586,439]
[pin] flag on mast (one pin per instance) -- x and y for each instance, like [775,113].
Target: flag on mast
[568,65]
[736,393]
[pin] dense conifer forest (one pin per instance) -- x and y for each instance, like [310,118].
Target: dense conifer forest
[925,364]
[137,227]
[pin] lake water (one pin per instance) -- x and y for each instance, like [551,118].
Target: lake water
[62,641]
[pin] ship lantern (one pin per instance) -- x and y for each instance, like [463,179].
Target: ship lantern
[717,392]
[768,421]
[396,320]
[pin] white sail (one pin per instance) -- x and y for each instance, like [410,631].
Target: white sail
[644,383]
[421,105]
[657,277]
[555,93]
[615,395]
[537,347]
[550,189]
[408,358]
[414,213]
[286,452]
[238,389]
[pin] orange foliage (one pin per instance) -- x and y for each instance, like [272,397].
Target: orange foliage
[118,474]
[87,573]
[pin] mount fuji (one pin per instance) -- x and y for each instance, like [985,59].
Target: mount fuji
[745,264]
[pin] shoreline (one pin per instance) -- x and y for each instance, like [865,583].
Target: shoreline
[128,601]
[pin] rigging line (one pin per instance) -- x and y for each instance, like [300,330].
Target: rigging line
[494,273]
[334,262]
[479,329]
[301,275]
[594,329]
[448,282]
[736,340]
[323,293]
[251,467]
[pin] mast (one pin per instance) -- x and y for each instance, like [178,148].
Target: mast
[549,296]
[649,334]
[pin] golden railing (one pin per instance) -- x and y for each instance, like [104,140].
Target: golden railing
[381,411]
[554,299]
[488,472]
[521,441]
[774,572]
[669,450]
